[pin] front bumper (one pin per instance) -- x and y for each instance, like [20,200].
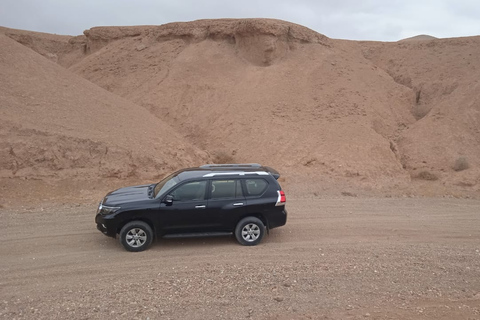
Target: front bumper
[102,228]
[105,227]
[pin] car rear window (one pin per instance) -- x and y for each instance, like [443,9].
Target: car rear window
[255,187]
[223,189]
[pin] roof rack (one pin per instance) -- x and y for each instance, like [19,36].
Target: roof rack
[231,165]
[213,174]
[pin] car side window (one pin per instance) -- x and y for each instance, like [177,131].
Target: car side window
[226,189]
[255,187]
[190,191]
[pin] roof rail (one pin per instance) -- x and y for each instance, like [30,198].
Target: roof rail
[213,174]
[231,165]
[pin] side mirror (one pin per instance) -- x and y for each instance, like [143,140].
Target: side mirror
[168,200]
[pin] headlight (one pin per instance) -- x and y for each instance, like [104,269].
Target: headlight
[99,207]
[105,210]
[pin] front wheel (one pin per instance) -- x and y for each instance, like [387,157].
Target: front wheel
[136,236]
[250,231]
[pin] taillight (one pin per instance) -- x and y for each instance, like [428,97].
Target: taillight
[281,198]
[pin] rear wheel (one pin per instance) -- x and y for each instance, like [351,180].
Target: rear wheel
[250,231]
[136,236]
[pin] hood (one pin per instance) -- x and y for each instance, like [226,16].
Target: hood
[128,194]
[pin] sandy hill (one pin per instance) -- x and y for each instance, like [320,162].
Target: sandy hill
[420,37]
[369,114]
[56,125]
[64,50]
[260,91]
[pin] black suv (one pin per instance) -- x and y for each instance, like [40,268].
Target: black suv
[211,200]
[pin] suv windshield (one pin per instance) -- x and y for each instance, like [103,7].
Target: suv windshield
[165,184]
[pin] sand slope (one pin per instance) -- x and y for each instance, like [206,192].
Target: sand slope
[444,75]
[57,125]
[64,50]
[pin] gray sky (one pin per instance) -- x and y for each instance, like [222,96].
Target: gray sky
[384,20]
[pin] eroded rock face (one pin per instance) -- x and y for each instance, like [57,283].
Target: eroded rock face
[261,42]
[261,50]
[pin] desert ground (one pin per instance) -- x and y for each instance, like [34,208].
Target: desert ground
[337,258]
[377,145]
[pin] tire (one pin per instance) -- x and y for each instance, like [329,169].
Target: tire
[250,231]
[136,236]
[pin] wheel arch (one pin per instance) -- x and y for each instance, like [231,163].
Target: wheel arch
[147,221]
[256,215]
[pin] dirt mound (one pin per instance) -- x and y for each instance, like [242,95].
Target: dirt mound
[57,125]
[420,37]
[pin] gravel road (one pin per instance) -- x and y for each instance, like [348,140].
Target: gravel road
[345,258]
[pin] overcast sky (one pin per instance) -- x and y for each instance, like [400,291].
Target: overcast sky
[384,20]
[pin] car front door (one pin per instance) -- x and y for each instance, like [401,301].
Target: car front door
[187,210]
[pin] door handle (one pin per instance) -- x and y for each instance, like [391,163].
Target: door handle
[200,207]
[238,204]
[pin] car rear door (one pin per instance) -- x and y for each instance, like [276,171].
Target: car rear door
[226,203]
[261,198]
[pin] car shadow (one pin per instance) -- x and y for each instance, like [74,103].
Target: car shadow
[196,242]
[207,242]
